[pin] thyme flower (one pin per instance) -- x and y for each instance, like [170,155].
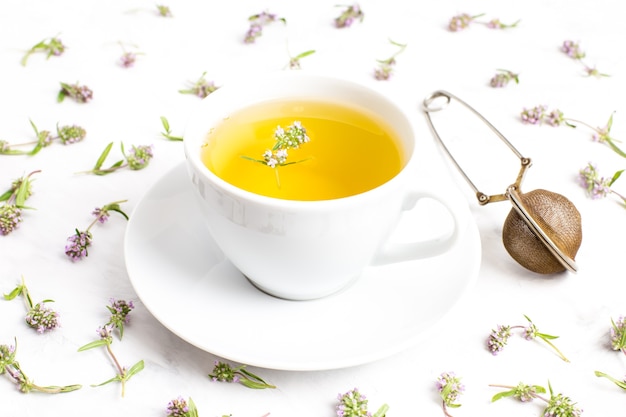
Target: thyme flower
[179,407]
[77,92]
[67,135]
[499,337]
[164,11]
[223,372]
[539,115]
[386,66]
[354,404]
[572,49]
[462,21]
[79,242]
[167,134]
[10,366]
[294,61]
[450,389]
[138,157]
[201,88]
[14,202]
[502,78]
[596,186]
[292,138]
[257,22]
[119,310]
[50,46]
[349,15]
[38,316]
[558,405]
[618,334]
[128,58]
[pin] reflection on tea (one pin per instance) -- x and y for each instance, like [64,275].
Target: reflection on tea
[347,150]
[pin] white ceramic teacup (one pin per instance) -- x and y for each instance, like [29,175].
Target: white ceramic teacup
[302,250]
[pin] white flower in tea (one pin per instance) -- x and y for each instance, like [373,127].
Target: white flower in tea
[291,138]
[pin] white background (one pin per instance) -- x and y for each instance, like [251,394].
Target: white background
[207,36]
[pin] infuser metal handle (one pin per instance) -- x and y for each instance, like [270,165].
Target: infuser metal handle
[434,103]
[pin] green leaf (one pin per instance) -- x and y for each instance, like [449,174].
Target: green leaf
[306,53]
[108,381]
[382,411]
[22,192]
[119,211]
[6,195]
[254,384]
[615,177]
[547,336]
[94,344]
[136,368]
[193,410]
[503,394]
[17,291]
[166,124]
[103,156]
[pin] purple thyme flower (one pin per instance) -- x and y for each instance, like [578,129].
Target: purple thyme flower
[349,16]
[352,404]
[139,157]
[76,249]
[201,88]
[450,388]
[618,334]
[101,215]
[10,218]
[42,318]
[572,49]
[80,93]
[561,406]
[498,339]
[460,22]
[71,134]
[502,78]
[177,408]
[534,116]
[597,187]
[257,22]
[128,59]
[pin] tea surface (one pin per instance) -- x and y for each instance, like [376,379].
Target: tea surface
[349,152]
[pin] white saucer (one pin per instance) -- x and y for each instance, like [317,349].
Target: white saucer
[184,280]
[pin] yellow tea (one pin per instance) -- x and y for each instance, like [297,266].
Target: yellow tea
[347,150]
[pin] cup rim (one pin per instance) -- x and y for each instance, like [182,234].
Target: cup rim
[194,127]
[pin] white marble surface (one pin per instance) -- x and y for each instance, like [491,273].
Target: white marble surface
[207,37]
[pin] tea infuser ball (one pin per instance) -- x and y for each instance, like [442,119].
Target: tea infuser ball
[543,230]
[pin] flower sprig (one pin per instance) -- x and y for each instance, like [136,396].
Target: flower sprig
[463,21]
[349,15]
[77,92]
[128,58]
[572,49]
[119,310]
[354,404]
[291,138]
[138,157]
[499,337]
[618,343]
[167,133]
[539,115]
[223,372]
[76,249]
[258,22]
[10,366]
[201,87]
[179,407]
[386,66]
[52,46]
[294,61]
[67,135]
[503,77]
[596,186]
[558,405]
[450,389]
[14,202]
[38,316]
[164,11]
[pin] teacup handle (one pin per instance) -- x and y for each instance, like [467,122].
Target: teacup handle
[400,252]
